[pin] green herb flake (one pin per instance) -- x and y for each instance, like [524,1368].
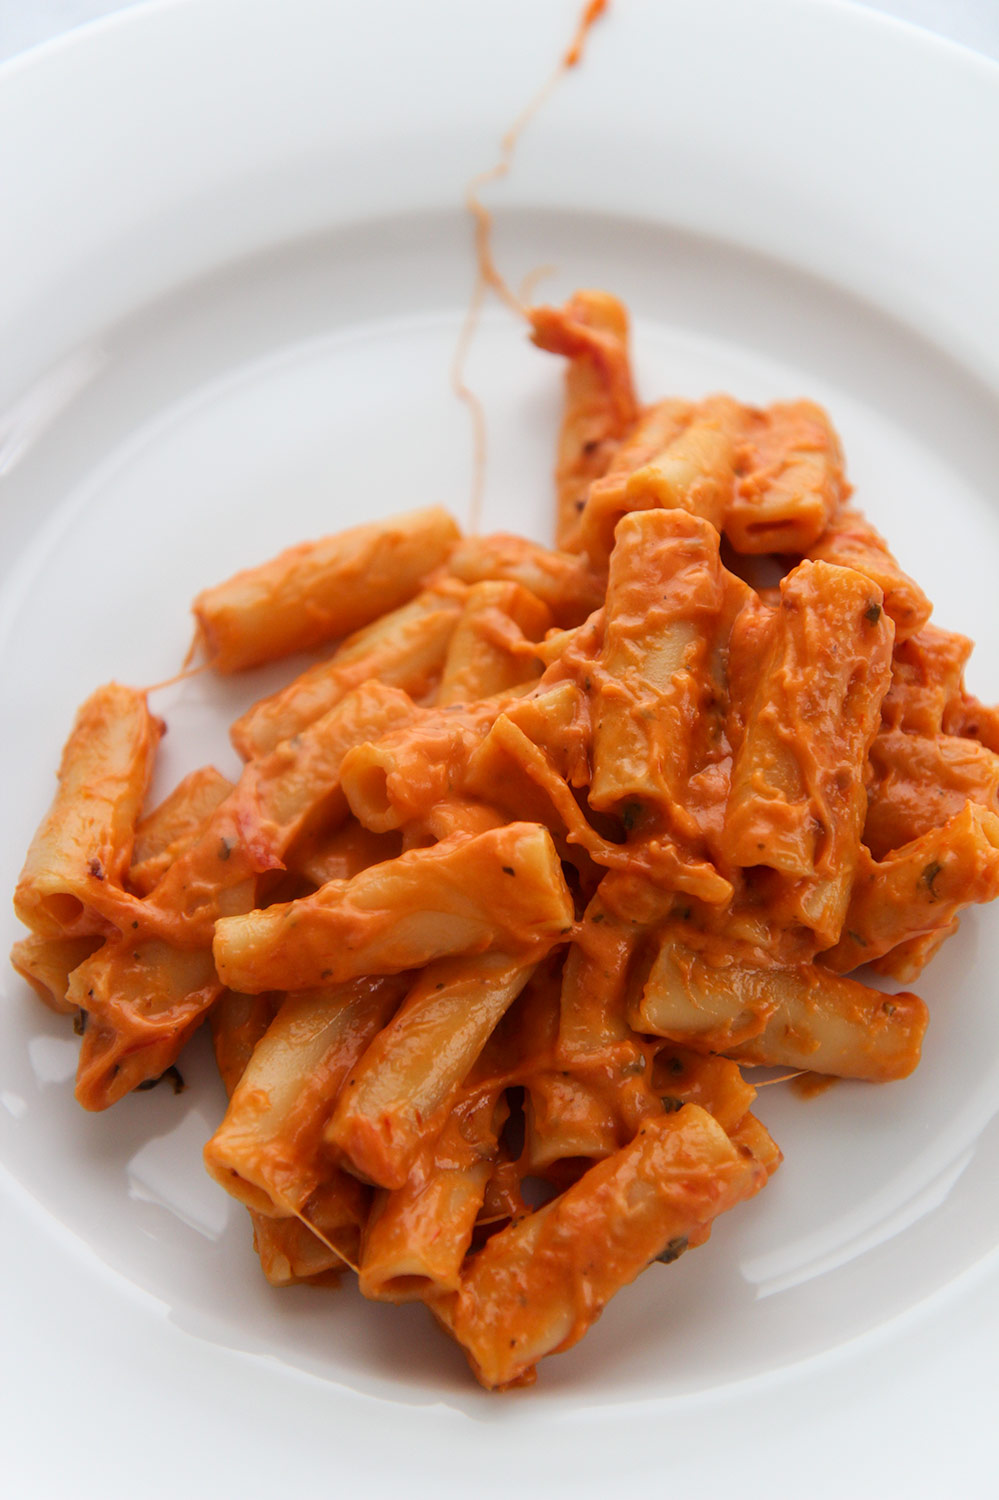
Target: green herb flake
[929,875]
[673,1249]
[630,814]
[671,1103]
[856,938]
[169,1075]
[872,614]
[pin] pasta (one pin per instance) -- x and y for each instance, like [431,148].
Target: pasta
[320,591]
[548,849]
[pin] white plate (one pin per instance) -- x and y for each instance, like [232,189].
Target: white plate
[237,266]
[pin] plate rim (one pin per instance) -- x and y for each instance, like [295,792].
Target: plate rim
[119,30]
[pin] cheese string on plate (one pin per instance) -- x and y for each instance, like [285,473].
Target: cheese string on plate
[487,275]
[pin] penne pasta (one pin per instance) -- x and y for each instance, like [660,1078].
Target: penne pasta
[965,716]
[139,1008]
[291,1253]
[927,678]
[681,1076]
[279,800]
[237,1024]
[342,853]
[906,961]
[566,1117]
[595,979]
[403,775]
[514,773]
[417,1237]
[290,1250]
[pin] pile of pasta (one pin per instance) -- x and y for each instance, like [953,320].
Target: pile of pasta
[524,870]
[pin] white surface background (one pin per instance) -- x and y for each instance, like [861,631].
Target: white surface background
[973,23]
[115,1394]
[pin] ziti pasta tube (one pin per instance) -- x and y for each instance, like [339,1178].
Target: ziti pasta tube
[490,649]
[850,541]
[920,782]
[665,589]
[145,991]
[320,590]
[164,834]
[414,1068]
[47,963]
[798,798]
[267,1150]
[798,1016]
[278,800]
[536,1287]
[790,479]
[417,1235]
[691,471]
[290,1250]
[72,884]
[562,580]
[919,888]
[503,888]
[591,330]
[140,1006]
[404,649]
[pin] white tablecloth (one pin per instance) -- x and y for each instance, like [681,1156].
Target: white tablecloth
[26,23]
